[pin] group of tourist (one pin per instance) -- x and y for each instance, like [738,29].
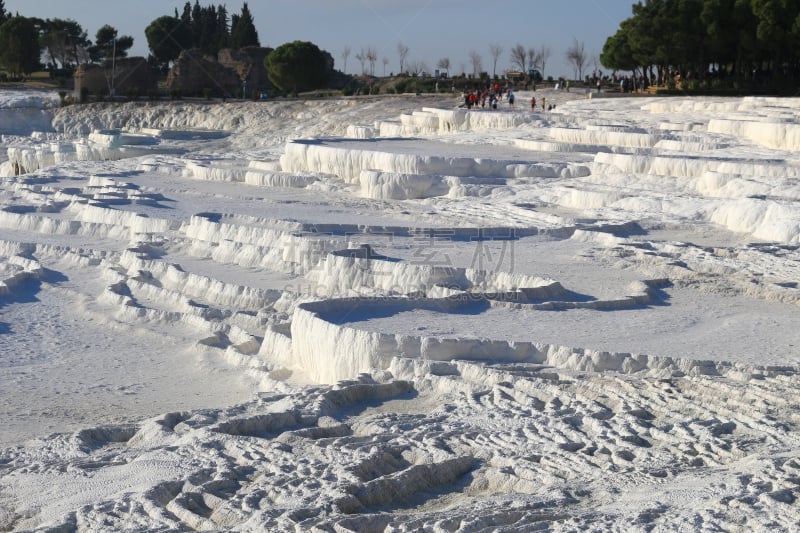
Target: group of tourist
[491,94]
[545,106]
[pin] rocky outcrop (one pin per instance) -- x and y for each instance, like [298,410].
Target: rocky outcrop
[193,73]
[248,63]
[227,75]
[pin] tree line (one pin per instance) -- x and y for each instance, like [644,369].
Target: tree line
[61,43]
[521,58]
[28,43]
[205,28]
[24,41]
[753,40]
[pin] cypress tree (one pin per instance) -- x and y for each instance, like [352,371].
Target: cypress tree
[197,28]
[243,32]
[207,27]
[186,16]
[222,33]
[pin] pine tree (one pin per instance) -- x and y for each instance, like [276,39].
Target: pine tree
[19,45]
[3,12]
[107,42]
[167,37]
[243,30]
[299,65]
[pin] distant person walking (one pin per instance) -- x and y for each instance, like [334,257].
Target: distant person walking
[533,103]
[510,97]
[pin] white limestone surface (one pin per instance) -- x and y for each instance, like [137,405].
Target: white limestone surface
[395,314]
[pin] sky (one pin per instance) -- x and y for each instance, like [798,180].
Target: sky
[431,29]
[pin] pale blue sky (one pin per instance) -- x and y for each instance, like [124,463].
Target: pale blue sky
[431,29]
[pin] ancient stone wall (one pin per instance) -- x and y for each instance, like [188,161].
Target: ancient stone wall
[125,75]
[194,73]
[248,63]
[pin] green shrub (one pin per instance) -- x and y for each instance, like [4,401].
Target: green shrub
[298,65]
[692,85]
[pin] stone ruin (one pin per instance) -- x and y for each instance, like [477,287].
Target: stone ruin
[195,73]
[248,63]
[124,75]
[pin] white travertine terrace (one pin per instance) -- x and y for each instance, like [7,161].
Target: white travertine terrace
[395,314]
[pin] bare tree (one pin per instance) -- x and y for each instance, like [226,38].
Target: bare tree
[477,63]
[596,64]
[576,56]
[362,58]
[519,56]
[444,64]
[417,67]
[372,57]
[83,55]
[345,55]
[495,50]
[385,62]
[544,56]
[533,58]
[402,51]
